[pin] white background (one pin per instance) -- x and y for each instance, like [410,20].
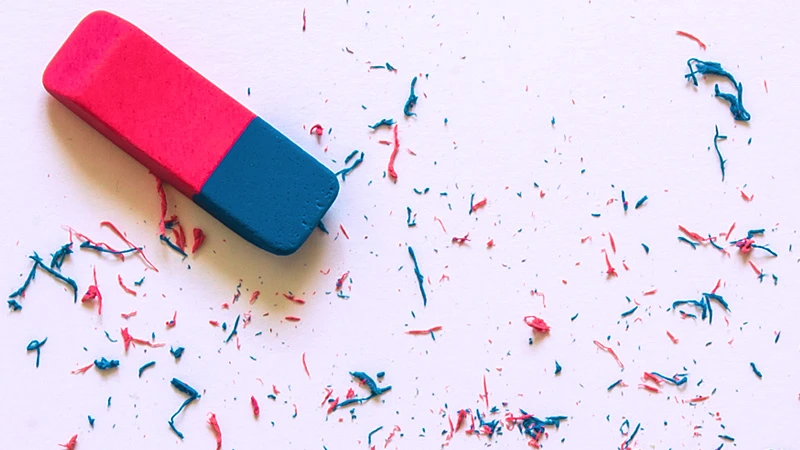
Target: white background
[611,73]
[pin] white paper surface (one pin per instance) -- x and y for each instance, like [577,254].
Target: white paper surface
[612,76]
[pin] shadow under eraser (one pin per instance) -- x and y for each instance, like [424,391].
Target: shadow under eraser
[190,133]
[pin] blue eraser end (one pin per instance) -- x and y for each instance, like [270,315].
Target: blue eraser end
[268,190]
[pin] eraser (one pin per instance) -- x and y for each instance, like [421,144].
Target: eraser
[190,133]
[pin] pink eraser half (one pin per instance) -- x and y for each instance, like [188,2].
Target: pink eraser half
[145,100]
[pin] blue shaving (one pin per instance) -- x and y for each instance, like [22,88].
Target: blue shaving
[483,424]
[347,170]
[36,345]
[471,203]
[614,384]
[717,137]
[554,420]
[629,312]
[412,100]
[108,336]
[726,437]
[369,437]
[39,264]
[710,311]
[367,381]
[777,336]
[737,108]
[172,421]
[176,353]
[31,276]
[774,278]
[351,401]
[698,304]
[185,388]
[751,233]
[633,435]
[532,426]
[624,202]
[97,248]
[574,317]
[714,244]
[58,276]
[625,428]
[420,278]
[350,156]
[170,224]
[14,305]
[381,123]
[145,367]
[105,364]
[715,68]
[321,226]
[553,120]
[646,248]
[558,368]
[189,391]
[718,298]
[390,67]
[91,421]
[640,202]
[678,379]
[707,68]
[409,222]
[683,239]
[755,370]
[167,241]
[766,249]
[60,255]
[234,331]
[139,283]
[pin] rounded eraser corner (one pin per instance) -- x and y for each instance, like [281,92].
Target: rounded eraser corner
[81,52]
